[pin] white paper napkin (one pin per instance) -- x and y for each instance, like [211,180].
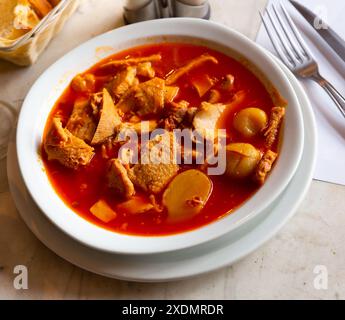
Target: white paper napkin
[330,124]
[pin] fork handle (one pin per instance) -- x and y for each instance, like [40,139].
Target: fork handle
[335,95]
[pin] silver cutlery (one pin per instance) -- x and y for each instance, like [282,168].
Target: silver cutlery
[325,31]
[294,52]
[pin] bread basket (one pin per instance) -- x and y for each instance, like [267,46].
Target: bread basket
[25,50]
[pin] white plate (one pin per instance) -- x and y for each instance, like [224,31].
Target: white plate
[54,81]
[183,263]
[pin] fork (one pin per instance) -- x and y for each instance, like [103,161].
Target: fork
[294,52]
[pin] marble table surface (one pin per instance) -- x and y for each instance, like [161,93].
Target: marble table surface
[284,268]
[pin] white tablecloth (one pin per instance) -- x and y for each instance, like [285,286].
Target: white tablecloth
[283,268]
[331,125]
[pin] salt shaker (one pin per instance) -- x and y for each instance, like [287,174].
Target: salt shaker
[192,8]
[139,10]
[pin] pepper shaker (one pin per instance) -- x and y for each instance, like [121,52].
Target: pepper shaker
[192,8]
[141,10]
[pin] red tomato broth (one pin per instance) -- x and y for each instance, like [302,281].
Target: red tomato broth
[227,194]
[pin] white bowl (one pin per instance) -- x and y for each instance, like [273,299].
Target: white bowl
[52,83]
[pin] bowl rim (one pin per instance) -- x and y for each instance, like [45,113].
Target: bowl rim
[105,240]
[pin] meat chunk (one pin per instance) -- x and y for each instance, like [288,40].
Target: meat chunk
[132,61]
[264,166]
[181,106]
[156,206]
[96,102]
[271,132]
[147,126]
[150,96]
[145,98]
[63,146]
[109,119]
[157,165]
[122,81]
[81,123]
[189,117]
[205,120]
[214,96]
[173,77]
[153,177]
[127,102]
[118,179]
[228,82]
[174,115]
[83,83]
[145,69]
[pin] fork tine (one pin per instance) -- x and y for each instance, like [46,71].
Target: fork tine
[298,36]
[275,43]
[281,37]
[284,27]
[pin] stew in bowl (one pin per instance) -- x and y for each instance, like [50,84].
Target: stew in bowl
[170,87]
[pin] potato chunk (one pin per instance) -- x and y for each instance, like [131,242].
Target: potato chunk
[170,93]
[135,205]
[186,195]
[250,121]
[203,84]
[145,69]
[122,81]
[241,159]
[102,211]
[81,122]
